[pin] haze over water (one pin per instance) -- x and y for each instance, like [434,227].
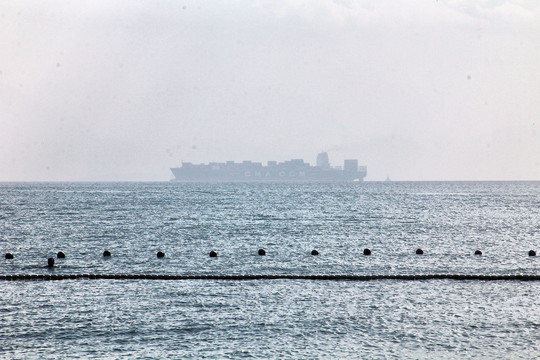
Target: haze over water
[415,90]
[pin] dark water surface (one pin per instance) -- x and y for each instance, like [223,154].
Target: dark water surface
[270,318]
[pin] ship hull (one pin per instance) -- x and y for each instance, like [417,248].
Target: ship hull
[265,175]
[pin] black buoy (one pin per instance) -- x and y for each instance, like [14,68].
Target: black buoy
[60,255]
[477,252]
[160,254]
[419,251]
[213,253]
[314,252]
[367,252]
[50,262]
[9,256]
[532,253]
[262,252]
[106,253]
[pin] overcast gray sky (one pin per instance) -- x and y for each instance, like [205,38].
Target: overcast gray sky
[124,90]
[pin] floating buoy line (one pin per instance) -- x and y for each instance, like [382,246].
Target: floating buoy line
[46,277]
[261,252]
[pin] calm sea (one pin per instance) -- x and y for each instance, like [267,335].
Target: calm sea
[281,319]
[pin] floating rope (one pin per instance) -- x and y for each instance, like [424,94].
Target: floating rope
[23,277]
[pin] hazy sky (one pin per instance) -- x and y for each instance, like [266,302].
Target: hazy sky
[124,90]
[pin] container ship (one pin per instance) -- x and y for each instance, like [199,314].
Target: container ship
[295,170]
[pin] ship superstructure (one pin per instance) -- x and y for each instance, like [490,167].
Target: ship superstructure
[292,170]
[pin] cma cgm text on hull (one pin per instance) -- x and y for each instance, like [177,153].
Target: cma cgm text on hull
[292,170]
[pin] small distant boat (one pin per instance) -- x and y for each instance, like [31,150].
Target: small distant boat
[388,179]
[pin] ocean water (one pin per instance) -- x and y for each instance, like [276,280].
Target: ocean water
[284,318]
